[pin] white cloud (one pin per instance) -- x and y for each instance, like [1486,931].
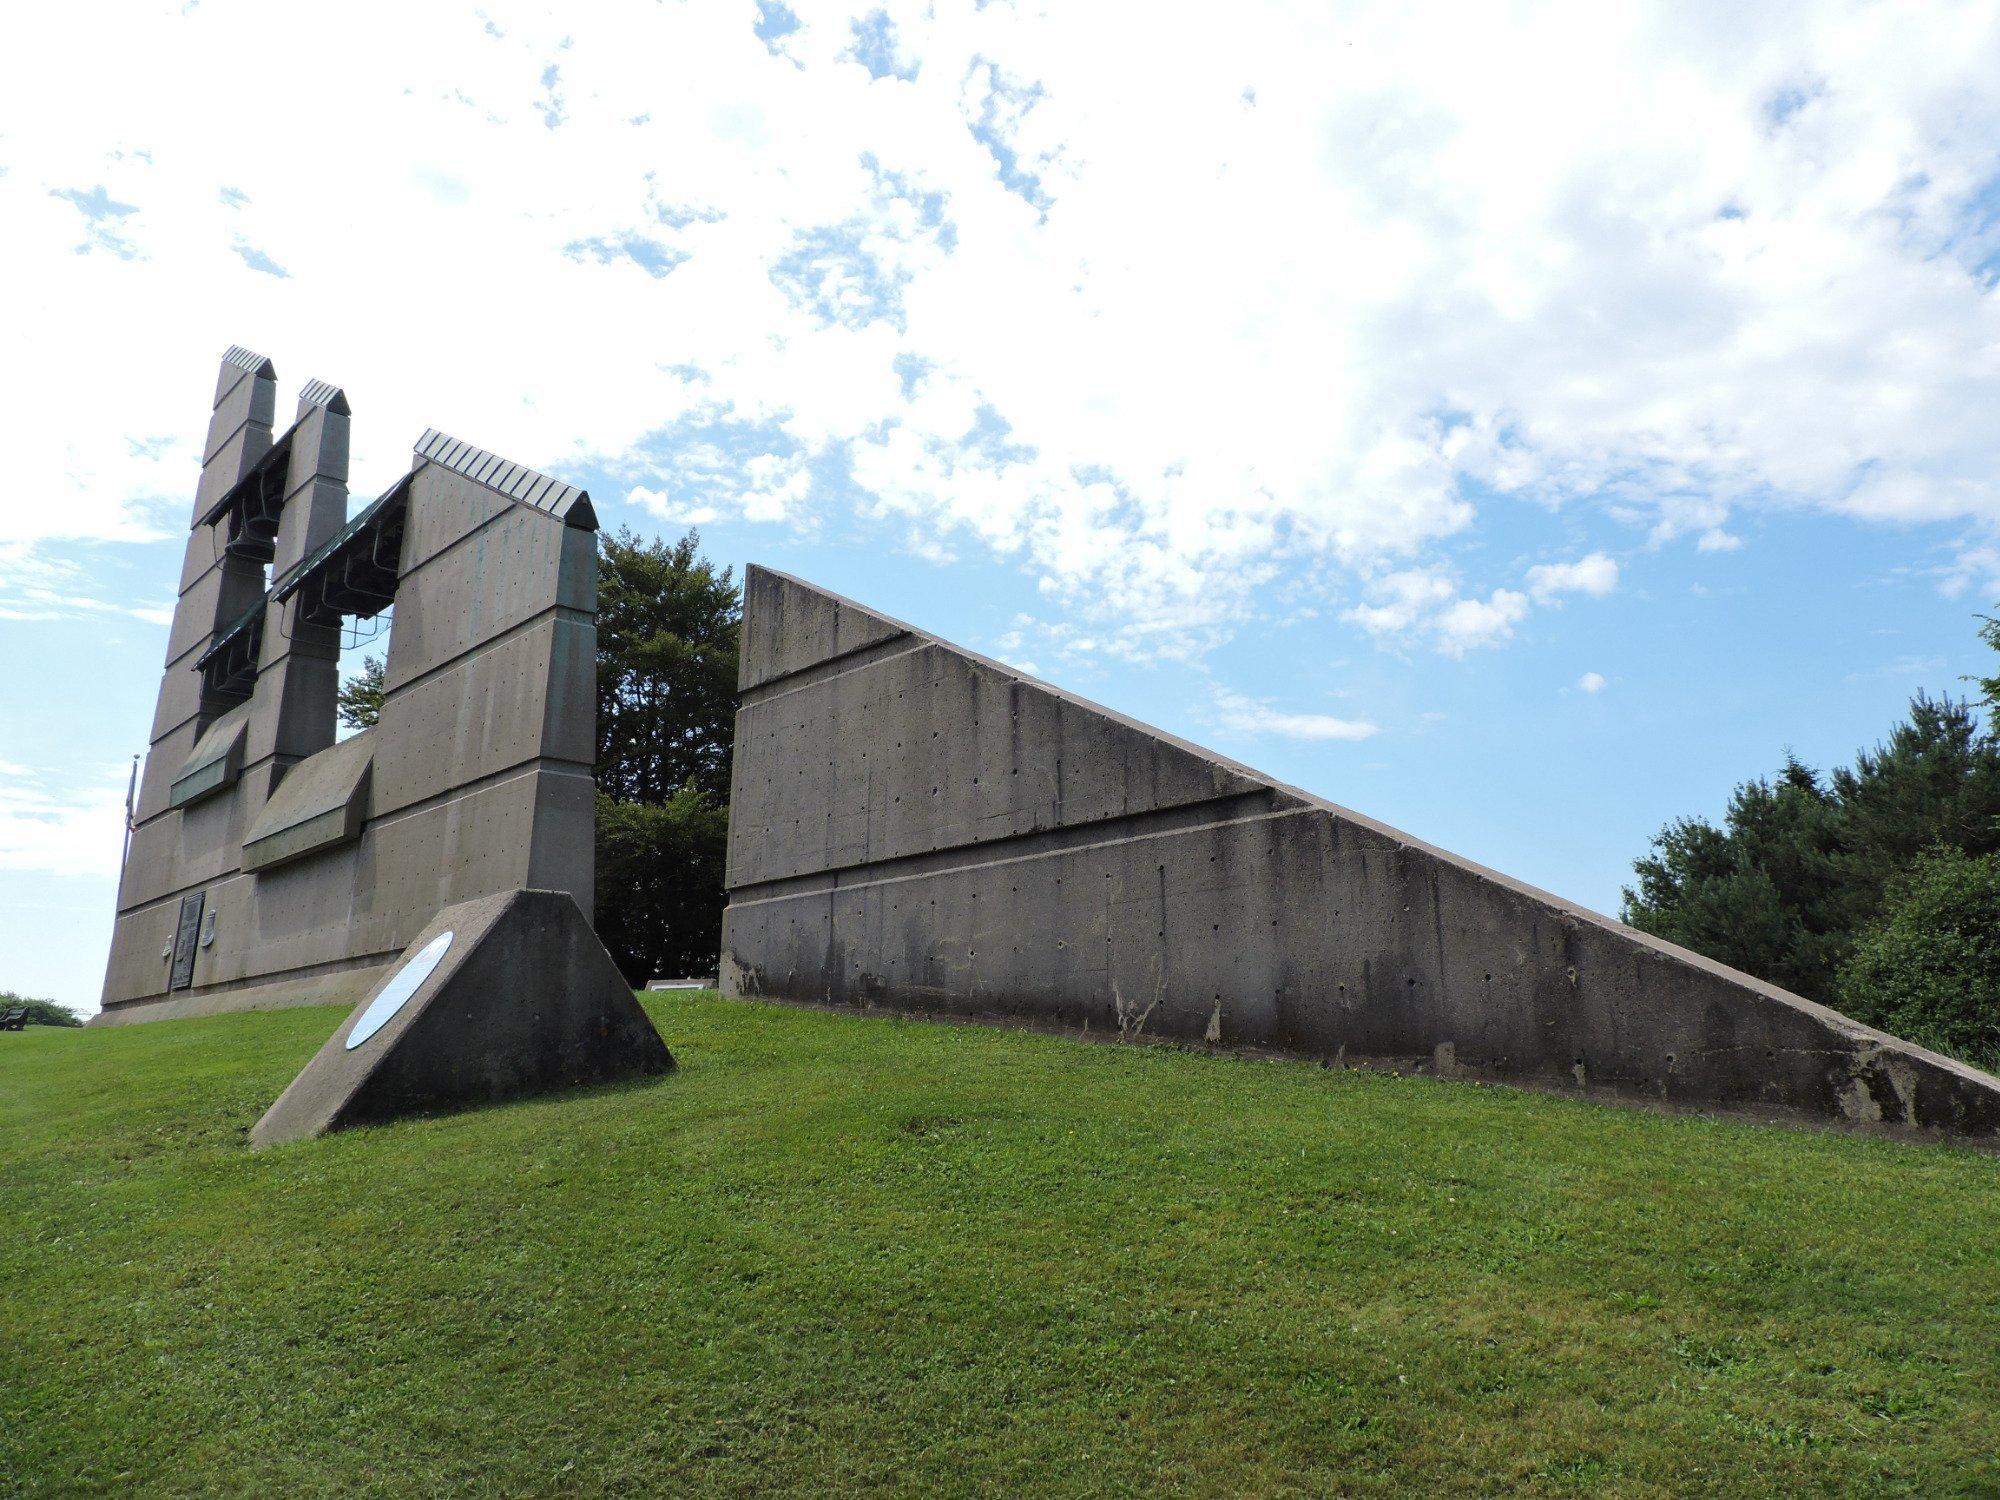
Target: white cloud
[67,830]
[1427,602]
[1400,600]
[1595,575]
[1903,668]
[1976,568]
[1256,718]
[1311,294]
[37,584]
[1591,682]
[1718,540]
[662,506]
[1469,623]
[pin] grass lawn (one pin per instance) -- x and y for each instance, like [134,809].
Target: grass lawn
[841,1253]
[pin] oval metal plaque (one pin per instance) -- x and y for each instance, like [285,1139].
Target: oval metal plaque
[396,993]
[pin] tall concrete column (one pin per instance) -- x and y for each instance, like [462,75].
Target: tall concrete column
[215,588]
[298,672]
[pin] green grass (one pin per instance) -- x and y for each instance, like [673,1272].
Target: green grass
[834,1253]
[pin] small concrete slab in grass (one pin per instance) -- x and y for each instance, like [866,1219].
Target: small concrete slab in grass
[498,997]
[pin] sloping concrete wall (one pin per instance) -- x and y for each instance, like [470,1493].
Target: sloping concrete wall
[918,827]
[476,780]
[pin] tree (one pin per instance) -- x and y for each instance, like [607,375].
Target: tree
[1989,687]
[666,669]
[1935,783]
[1764,893]
[1802,863]
[40,1012]
[659,883]
[361,696]
[667,625]
[1928,968]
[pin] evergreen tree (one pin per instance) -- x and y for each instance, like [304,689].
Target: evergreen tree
[1934,784]
[360,697]
[667,627]
[666,669]
[1765,893]
[1802,863]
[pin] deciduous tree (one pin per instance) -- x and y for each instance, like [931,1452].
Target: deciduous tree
[1928,968]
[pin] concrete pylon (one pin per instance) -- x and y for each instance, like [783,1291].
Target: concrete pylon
[918,827]
[497,998]
[291,715]
[217,585]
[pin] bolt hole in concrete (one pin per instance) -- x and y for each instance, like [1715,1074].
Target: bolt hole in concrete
[397,992]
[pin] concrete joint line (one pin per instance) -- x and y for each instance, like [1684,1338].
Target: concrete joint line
[317,476]
[213,883]
[218,555]
[858,660]
[228,437]
[303,971]
[241,376]
[539,765]
[1045,843]
[480,648]
[547,764]
[181,723]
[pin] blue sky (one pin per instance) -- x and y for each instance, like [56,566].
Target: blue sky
[1518,425]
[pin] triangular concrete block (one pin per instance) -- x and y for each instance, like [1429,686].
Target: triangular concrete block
[499,997]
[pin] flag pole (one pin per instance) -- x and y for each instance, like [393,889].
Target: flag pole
[131,788]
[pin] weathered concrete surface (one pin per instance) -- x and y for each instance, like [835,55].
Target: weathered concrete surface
[525,1001]
[322,802]
[917,827]
[317,862]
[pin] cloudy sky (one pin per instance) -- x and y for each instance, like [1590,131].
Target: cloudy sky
[1518,423]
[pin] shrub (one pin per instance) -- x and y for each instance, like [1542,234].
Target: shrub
[1928,968]
[41,1012]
